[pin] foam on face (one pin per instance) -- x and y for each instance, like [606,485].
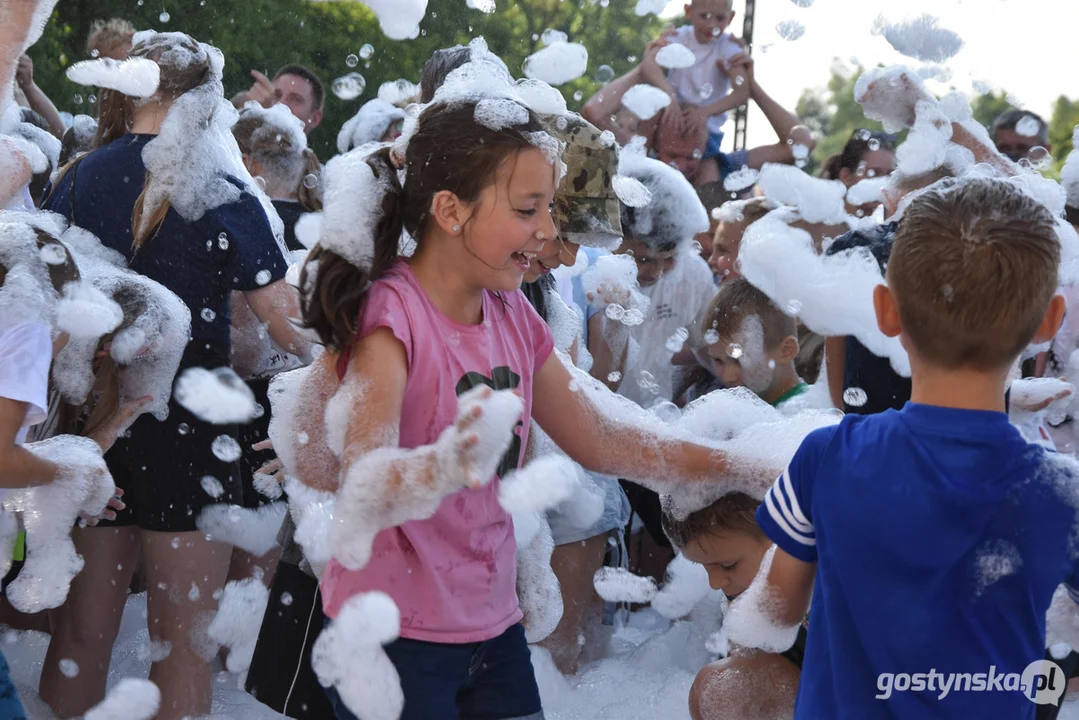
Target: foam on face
[750,623]
[348,656]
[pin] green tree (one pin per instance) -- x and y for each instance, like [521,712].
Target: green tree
[266,34]
[1062,127]
[986,107]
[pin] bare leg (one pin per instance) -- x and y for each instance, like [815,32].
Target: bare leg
[84,628]
[244,565]
[759,687]
[574,564]
[183,571]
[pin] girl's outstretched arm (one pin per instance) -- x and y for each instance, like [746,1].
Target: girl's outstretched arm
[620,444]
[19,468]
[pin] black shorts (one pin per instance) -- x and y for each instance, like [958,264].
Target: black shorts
[255,432]
[647,506]
[161,466]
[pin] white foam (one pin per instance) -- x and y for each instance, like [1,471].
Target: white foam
[615,584]
[248,529]
[238,620]
[741,179]
[136,76]
[538,590]
[348,227]
[541,485]
[922,38]
[645,101]
[500,113]
[348,655]
[676,56]
[369,125]
[82,485]
[215,396]
[817,200]
[867,191]
[558,63]
[750,621]
[129,699]
[685,586]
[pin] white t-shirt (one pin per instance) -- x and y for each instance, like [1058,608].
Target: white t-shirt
[25,357]
[678,299]
[704,83]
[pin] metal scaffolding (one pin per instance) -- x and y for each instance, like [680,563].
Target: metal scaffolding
[740,115]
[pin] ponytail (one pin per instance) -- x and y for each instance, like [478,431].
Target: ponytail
[310,198]
[332,289]
[116,114]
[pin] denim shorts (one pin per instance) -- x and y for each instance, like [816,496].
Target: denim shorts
[490,680]
[10,705]
[615,515]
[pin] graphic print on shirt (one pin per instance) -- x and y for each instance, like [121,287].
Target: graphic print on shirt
[502,378]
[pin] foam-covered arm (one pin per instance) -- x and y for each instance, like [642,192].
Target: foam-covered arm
[584,423]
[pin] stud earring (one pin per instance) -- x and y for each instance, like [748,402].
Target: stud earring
[457,228]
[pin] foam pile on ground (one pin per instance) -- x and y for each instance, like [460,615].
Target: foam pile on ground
[558,63]
[645,100]
[238,619]
[389,486]
[541,485]
[921,38]
[129,699]
[136,76]
[615,584]
[538,590]
[817,200]
[834,293]
[348,656]
[685,586]
[82,485]
[750,623]
[215,396]
[246,528]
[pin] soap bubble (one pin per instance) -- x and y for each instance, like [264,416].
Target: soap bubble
[734,350]
[794,307]
[223,241]
[645,379]
[578,96]
[367,51]
[226,449]
[604,74]
[310,181]
[855,397]
[207,315]
[349,87]
[163,17]
[711,336]
[262,277]
[614,377]
[352,60]
[874,144]
[1040,158]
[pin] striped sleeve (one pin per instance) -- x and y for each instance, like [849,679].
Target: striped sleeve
[783,518]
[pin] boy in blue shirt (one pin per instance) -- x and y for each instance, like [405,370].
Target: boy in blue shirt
[932,538]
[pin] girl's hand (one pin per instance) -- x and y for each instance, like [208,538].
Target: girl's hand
[115,505]
[119,423]
[481,434]
[610,294]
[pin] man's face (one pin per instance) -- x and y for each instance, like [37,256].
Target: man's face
[1014,145]
[299,96]
[709,17]
[651,264]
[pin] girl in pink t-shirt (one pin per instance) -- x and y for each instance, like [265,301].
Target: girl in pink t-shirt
[432,328]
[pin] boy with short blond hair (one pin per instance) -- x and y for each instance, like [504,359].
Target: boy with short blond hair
[932,538]
[755,343]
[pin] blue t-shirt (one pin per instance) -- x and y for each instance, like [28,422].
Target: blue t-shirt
[231,247]
[940,536]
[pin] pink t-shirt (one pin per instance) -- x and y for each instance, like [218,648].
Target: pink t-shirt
[453,576]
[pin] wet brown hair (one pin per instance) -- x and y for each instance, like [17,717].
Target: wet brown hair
[853,152]
[449,151]
[736,512]
[279,154]
[441,64]
[958,247]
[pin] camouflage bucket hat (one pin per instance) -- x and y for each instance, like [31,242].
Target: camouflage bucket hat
[586,208]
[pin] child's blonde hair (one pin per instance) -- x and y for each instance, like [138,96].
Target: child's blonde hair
[973,268]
